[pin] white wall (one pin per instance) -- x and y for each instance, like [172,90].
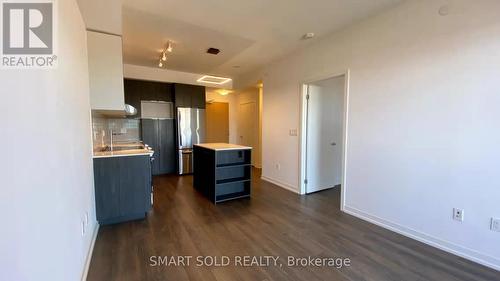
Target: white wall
[47,181]
[423,120]
[167,75]
[104,16]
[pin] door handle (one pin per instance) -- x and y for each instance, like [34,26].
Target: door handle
[333,143]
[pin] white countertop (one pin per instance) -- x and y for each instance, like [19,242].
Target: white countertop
[133,151]
[219,146]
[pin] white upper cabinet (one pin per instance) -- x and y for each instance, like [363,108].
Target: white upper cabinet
[105,72]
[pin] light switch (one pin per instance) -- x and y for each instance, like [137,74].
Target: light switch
[293,132]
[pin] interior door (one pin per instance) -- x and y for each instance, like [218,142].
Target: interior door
[324,134]
[217,122]
[247,125]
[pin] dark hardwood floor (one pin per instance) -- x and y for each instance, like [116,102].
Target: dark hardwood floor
[273,222]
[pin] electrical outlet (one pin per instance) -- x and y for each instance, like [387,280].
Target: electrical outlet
[458,214]
[495,224]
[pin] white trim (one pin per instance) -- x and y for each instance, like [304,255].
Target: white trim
[303,125]
[281,184]
[430,240]
[89,253]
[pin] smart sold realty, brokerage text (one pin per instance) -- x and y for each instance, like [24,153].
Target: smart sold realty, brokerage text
[249,261]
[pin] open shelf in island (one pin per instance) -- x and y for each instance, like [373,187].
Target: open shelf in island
[222,172]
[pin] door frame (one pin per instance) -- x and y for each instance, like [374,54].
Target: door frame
[303,131]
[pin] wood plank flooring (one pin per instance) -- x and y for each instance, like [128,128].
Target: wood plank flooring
[273,222]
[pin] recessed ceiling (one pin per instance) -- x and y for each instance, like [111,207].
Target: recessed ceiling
[249,34]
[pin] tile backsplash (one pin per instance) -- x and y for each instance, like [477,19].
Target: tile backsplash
[124,130]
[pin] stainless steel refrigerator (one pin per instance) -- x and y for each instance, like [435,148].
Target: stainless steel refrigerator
[190,131]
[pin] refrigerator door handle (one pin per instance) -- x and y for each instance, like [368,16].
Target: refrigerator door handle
[179,128]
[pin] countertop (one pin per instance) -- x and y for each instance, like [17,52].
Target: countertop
[223,146]
[124,152]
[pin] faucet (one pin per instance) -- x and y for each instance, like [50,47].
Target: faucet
[111,135]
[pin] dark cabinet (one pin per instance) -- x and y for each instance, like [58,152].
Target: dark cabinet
[135,185]
[133,95]
[166,135]
[107,187]
[122,188]
[139,90]
[160,135]
[149,131]
[189,96]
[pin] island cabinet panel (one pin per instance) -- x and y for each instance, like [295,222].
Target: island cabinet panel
[122,188]
[222,175]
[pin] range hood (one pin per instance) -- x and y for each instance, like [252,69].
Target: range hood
[130,110]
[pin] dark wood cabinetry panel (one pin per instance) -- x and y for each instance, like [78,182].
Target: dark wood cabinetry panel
[166,134]
[107,187]
[160,135]
[133,95]
[198,98]
[149,132]
[166,92]
[134,184]
[139,90]
[122,188]
[182,95]
[189,96]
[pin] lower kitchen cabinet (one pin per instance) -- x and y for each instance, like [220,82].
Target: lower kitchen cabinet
[122,188]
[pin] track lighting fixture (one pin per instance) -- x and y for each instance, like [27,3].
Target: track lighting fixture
[163,56]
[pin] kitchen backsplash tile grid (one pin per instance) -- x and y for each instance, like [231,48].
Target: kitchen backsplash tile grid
[124,130]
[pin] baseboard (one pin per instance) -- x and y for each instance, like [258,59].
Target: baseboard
[446,246]
[89,253]
[281,184]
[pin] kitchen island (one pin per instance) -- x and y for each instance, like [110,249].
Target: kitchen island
[222,171]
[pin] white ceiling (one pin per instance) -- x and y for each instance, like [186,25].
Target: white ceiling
[249,33]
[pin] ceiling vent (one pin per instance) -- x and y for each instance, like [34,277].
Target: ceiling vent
[213,51]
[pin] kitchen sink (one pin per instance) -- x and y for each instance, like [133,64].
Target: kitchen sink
[121,148]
